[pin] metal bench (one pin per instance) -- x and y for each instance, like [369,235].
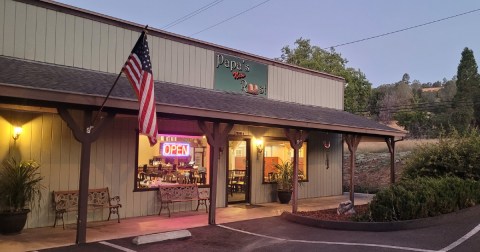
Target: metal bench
[67,201]
[181,193]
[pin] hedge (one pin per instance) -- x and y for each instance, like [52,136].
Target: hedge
[423,197]
[454,155]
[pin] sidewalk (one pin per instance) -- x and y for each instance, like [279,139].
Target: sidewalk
[48,237]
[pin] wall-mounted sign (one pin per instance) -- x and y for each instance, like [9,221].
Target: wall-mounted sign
[240,75]
[175,149]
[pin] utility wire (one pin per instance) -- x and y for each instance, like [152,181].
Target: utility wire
[230,18]
[191,14]
[414,107]
[401,30]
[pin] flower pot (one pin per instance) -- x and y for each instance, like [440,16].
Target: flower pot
[13,222]
[284,196]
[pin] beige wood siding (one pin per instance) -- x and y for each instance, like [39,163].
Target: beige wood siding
[2,21]
[45,35]
[35,33]
[48,140]
[321,181]
[288,85]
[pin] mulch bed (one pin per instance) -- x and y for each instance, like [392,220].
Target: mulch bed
[331,214]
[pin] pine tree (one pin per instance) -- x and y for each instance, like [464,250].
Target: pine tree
[466,101]
[467,75]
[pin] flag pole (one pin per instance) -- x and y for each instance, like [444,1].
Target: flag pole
[108,95]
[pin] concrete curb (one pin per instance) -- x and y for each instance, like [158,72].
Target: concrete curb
[159,237]
[382,226]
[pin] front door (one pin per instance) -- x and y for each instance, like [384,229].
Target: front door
[238,171]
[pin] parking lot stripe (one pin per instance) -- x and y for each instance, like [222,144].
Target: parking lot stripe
[116,246]
[331,243]
[462,239]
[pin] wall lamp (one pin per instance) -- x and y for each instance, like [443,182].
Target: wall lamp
[17,131]
[259,144]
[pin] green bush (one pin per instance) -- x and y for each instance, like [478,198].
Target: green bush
[423,197]
[456,155]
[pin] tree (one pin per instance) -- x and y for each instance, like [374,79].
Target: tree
[448,91]
[357,91]
[467,74]
[416,122]
[468,86]
[387,99]
[406,78]
[357,88]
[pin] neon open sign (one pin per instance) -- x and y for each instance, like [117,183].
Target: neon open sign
[176,149]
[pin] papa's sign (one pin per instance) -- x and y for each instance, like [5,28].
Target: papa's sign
[240,75]
[175,149]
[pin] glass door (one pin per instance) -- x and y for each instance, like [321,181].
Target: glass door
[238,171]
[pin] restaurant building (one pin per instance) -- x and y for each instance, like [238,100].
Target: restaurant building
[59,62]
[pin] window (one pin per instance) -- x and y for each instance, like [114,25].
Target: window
[174,159]
[278,151]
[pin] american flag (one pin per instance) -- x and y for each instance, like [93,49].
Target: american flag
[138,70]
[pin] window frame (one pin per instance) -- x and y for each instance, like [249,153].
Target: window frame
[137,144]
[265,139]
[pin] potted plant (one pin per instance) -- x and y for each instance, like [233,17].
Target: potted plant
[20,188]
[284,179]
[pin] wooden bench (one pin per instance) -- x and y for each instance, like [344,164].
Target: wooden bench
[67,201]
[181,193]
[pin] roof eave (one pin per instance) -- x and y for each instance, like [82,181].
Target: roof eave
[46,95]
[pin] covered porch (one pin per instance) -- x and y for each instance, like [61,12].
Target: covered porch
[216,113]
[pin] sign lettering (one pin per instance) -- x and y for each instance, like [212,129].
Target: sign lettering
[175,149]
[240,75]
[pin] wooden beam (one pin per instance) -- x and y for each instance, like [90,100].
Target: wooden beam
[296,139]
[216,139]
[85,134]
[352,143]
[391,148]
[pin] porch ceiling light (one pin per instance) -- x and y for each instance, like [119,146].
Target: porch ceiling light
[17,131]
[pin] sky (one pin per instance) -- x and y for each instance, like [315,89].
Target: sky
[428,53]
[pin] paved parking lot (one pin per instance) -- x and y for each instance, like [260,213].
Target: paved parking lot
[277,234]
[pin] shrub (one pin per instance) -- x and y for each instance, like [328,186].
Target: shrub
[423,197]
[456,155]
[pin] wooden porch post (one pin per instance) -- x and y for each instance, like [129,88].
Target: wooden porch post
[85,135]
[391,148]
[352,143]
[216,140]
[296,138]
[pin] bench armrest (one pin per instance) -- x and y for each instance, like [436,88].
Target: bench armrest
[60,205]
[115,201]
[203,195]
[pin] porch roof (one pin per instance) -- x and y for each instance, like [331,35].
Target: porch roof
[60,84]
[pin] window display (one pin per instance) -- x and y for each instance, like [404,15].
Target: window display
[173,160]
[279,151]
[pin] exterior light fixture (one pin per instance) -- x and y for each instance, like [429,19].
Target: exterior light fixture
[259,144]
[17,131]
[326,145]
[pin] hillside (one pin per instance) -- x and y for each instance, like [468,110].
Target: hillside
[372,164]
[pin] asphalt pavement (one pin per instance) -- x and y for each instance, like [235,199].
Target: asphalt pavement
[277,234]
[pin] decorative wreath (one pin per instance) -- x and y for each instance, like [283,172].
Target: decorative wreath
[326,144]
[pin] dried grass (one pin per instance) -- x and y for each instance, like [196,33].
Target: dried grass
[401,146]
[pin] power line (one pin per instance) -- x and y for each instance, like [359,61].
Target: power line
[401,30]
[230,18]
[418,106]
[192,14]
